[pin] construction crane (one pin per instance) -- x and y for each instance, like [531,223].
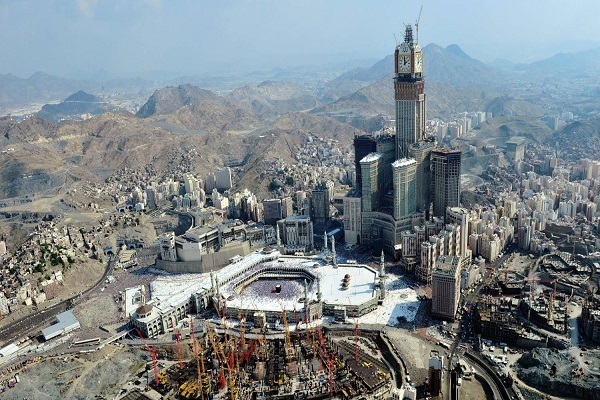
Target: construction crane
[289,349]
[355,330]
[242,326]
[417,23]
[179,356]
[296,333]
[153,356]
[327,361]
[199,355]
[226,364]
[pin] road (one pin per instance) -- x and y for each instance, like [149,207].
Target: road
[32,324]
[469,300]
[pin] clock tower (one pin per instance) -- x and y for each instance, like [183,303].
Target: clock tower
[409,93]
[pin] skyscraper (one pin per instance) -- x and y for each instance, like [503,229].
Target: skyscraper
[272,211]
[320,198]
[363,145]
[445,179]
[445,287]
[405,201]
[409,90]
[421,152]
[223,179]
[371,181]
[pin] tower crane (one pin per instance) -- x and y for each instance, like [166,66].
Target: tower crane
[417,23]
[198,358]
[153,356]
[178,341]
[289,349]
[355,331]
[327,360]
[225,363]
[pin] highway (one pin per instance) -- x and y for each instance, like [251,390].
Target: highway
[33,323]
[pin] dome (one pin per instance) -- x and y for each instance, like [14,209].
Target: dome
[144,310]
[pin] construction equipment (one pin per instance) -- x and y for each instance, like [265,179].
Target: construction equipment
[153,356]
[199,355]
[226,364]
[327,360]
[289,349]
[417,24]
[355,332]
[179,356]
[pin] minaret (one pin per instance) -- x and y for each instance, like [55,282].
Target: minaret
[333,251]
[212,282]
[306,304]
[382,275]
[325,239]
[278,237]
[305,294]
[217,284]
[319,290]
[382,265]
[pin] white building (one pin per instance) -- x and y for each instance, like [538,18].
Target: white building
[65,323]
[352,219]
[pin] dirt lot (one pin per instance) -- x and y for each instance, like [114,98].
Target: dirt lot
[415,352]
[102,373]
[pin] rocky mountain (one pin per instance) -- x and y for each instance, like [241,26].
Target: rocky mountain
[356,79]
[41,157]
[39,87]
[507,105]
[171,99]
[378,99]
[272,98]
[209,116]
[455,82]
[74,106]
[450,66]
[582,62]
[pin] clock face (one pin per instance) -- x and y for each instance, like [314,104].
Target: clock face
[404,63]
[419,62]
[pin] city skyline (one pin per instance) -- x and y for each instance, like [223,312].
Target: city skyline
[152,36]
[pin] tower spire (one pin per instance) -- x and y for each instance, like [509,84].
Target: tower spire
[408,34]
[333,250]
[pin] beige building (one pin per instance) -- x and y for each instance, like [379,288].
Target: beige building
[445,287]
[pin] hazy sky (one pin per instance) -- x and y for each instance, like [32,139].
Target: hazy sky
[67,37]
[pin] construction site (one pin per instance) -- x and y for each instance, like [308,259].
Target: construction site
[235,363]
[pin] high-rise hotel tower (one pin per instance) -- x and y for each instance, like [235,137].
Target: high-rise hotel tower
[409,92]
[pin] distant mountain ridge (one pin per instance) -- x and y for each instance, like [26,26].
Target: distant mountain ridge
[74,106]
[586,60]
[450,65]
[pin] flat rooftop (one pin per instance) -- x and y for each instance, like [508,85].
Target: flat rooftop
[517,140]
[371,157]
[404,162]
[64,321]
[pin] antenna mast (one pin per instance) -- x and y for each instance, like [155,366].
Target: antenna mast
[417,23]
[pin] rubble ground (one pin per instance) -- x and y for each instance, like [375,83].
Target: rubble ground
[552,371]
[77,376]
